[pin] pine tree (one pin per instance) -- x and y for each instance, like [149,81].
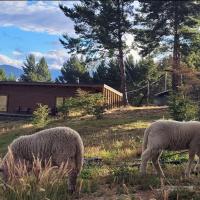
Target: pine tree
[141,72]
[74,71]
[100,75]
[109,73]
[33,71]
[42,71]
[2,75]
[29,69]
[100,26]
[162,27]
[11,77]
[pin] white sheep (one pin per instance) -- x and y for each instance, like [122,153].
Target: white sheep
[60,144]
[170,135]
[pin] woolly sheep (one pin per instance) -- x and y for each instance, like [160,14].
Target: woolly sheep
[170,135]
[60,144]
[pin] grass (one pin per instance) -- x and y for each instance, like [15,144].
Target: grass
[39,183]
[116,139]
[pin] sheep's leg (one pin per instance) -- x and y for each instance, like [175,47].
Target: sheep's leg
[196,168]
[189,164]
[146,155]
[156,164]
[72,180]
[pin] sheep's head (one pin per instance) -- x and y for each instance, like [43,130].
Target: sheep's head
[4,173]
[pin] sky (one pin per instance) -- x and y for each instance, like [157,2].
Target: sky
[33,27]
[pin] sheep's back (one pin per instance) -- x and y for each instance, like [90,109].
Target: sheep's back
[173,135]
[49,143]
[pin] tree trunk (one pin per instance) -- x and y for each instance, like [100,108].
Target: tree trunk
[123,77]
[176,77]
[120,8]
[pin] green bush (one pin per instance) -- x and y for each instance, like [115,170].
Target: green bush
[85,102]
[182,108]
[40,116]
[68,105]
[93,104]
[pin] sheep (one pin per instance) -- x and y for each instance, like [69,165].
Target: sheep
[170,135]
[60,144]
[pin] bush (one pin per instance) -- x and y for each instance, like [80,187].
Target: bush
[68,105]
[85,102]
[93,104]
[182,108]
[40,116]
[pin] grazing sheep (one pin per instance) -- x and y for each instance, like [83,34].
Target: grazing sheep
[170,135]
[60,144]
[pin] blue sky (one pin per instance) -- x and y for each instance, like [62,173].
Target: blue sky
[33,27]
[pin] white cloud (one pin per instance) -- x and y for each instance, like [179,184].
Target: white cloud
[41,16]
[9,61]
[17,53]
[54,58]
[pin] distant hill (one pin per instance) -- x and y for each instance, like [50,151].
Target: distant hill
[11,70]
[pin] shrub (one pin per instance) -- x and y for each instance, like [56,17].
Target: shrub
[40,116]
[182,108]
[93,104]
[85,102]
[68,105]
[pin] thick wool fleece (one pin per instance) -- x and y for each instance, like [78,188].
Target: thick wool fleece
[170,135]
[61,144]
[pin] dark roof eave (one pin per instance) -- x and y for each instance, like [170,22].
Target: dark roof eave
[49,84]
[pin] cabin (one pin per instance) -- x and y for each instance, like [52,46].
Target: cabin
[23,97]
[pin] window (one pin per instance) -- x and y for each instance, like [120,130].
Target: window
[3,103]
[59,101]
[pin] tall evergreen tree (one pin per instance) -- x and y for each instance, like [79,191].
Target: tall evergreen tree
[2,75]
[100,75]
[109,73]
[29,69]
[33,71]
[42,71]
[74,71]
[101,26]
[162,26]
